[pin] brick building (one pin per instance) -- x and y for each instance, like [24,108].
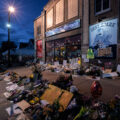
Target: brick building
[67,28]
[104,29]
[59,30]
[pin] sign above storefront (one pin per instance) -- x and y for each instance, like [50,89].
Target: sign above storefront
[103,38]
[70,26]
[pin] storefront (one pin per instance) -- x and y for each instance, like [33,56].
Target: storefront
[63,49]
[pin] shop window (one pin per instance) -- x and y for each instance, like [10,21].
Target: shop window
[50,51]
[102,6]
[60,50]
[67,48]
[38,30]
[73,51]
[63,49]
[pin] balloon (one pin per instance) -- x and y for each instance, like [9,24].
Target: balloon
[96,89]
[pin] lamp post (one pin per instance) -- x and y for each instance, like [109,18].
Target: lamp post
[10,10]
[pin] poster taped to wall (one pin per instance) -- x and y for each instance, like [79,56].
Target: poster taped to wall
[103,38]
[39,48]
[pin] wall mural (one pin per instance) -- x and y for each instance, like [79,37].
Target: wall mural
[103,38]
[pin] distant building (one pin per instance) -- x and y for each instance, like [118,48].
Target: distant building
[24,51]
[23,45]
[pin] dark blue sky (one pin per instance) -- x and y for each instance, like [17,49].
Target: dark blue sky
[22,20]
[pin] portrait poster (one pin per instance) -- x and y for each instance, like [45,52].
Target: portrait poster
[103,38]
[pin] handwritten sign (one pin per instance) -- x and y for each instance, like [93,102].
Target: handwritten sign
[104,51]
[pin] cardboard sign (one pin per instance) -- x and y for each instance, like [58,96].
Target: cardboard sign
[16,110]
[51,94]
[54,93]
[104,52]
[56,63]
[64,62]
[23,105]
[41,62]
[84,56]
[113,74]
[86,60]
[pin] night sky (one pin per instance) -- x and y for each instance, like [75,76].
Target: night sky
[22,21]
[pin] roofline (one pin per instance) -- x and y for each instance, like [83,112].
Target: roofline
[43,9]
[37,18]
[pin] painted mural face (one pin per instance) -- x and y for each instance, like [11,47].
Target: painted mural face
[102,39]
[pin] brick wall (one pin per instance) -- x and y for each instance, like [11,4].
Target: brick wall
[114,4]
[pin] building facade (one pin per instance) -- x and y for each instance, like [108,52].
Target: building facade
[61,32]
[104,30]
[67,28]
[64,32]
[39,37]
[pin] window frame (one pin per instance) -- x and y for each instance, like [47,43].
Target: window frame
[102,11]
[39,30]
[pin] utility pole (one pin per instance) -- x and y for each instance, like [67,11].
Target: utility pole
[9,39]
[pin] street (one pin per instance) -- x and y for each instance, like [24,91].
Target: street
[111,87]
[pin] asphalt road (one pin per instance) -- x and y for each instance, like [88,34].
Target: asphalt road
[111,87]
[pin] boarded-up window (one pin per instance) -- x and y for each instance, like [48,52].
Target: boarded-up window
[72,8]
[50,18]
[59,11]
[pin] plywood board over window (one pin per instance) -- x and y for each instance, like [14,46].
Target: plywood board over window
[50,18]
[59,11]
[72,8]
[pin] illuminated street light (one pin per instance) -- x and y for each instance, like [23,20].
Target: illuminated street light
[11,9]
[8,25]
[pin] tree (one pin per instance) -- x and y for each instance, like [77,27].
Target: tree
[6,46]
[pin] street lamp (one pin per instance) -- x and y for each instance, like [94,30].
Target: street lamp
[11,10]
[8,25]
